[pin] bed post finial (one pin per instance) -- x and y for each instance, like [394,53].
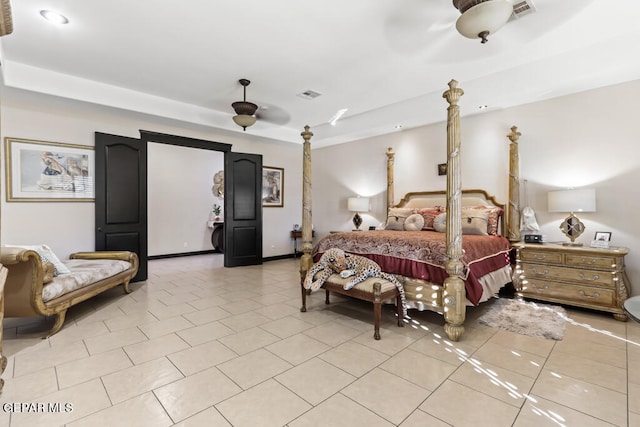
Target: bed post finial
[390,194]
[513,212]
[306,261]
[454,291]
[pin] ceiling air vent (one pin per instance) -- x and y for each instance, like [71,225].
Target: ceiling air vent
[522,8]
[309,94]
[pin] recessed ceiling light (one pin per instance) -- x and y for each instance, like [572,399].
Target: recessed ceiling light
[483,107]
[54,17]
[398,127]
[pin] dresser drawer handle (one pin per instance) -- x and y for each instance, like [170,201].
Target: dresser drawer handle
[539,257]
[540,288]
[595,295]
[593,278]
[588,261]
[535,270]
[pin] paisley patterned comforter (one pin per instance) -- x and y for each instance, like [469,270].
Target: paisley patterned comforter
[422,254]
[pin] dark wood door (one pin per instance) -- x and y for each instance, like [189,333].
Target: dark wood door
[243,209]
[121,196]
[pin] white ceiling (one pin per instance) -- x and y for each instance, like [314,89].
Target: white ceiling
[387,61]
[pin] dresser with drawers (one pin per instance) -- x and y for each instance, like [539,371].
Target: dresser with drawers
[574,275]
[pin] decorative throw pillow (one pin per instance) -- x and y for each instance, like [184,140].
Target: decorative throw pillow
[440,223]
[494,218]
[49,272]
[397,217]
[47,255]
[429,215]
[474,221]
[414,222]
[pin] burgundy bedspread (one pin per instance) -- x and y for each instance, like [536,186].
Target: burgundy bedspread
[422,254]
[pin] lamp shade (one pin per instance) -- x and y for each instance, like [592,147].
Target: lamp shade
[358,204]
[479,19]
[244,120]
[577,200]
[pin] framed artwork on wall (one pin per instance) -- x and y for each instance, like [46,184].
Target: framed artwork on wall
[41,171]
[272,187]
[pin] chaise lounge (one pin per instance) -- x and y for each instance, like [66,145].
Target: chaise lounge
[37,285]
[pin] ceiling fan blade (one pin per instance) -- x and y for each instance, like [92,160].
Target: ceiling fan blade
[272,114]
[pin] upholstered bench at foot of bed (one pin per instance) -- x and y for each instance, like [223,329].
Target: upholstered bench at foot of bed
[373,289]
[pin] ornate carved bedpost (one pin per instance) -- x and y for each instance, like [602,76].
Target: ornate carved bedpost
[390,196]
[454,290]
[306,261]
[513,214]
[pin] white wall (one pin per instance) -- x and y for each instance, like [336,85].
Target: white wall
[587,139]
[179,197]
[69,227]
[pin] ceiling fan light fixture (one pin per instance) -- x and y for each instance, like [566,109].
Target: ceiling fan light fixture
[482,17]
[244,110]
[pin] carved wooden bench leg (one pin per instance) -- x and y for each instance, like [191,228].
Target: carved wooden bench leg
[127,289]
[304,293]
[58,325]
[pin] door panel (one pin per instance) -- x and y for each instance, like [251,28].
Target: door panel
[243,209]
[121,197]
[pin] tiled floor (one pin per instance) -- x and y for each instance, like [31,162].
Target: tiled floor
[202,345]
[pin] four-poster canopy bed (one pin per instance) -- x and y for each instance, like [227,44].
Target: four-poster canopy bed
[441,272]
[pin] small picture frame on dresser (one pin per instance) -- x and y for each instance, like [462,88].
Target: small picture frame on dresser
[601,239]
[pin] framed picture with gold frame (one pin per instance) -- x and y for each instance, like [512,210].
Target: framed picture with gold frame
[272,187]
[42,171]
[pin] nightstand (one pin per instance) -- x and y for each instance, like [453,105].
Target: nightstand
[581,276]
[295,235]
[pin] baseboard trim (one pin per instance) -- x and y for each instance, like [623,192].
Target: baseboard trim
[211,251]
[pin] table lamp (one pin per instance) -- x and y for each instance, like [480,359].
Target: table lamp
[357,205]
[575,200]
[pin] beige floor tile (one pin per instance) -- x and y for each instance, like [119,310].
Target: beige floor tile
[494,381]
[201,357]
[207,418]
[190,395]
[244,321]
[165,326]
[391,340]
[339,411]
[634,398]
[139,411]
[297,349]
[88,368]
[203,333]
[129,321]
[139,379]
[77,332]
[596,352]
[588,398]
[75,402]
[207,315]
[354,358]
[315,380]
[454,353]
[248,340]
[286,327]
[517,342]
[459,405]
[588,370]
[389,396]
[278,311]
[269,402]
[46,357]
[178,298]
[253,368]
[114,340]
[332,333]
[154,348]
[169,311]
[418,368]
[538,412]
[519,361]
[421,419]
[27,388]
[210,299]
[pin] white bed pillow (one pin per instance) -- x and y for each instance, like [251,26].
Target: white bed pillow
[440,223]
[397,217]
[47,255]
[414,222]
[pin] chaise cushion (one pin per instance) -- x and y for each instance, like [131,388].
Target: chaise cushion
[83,272]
